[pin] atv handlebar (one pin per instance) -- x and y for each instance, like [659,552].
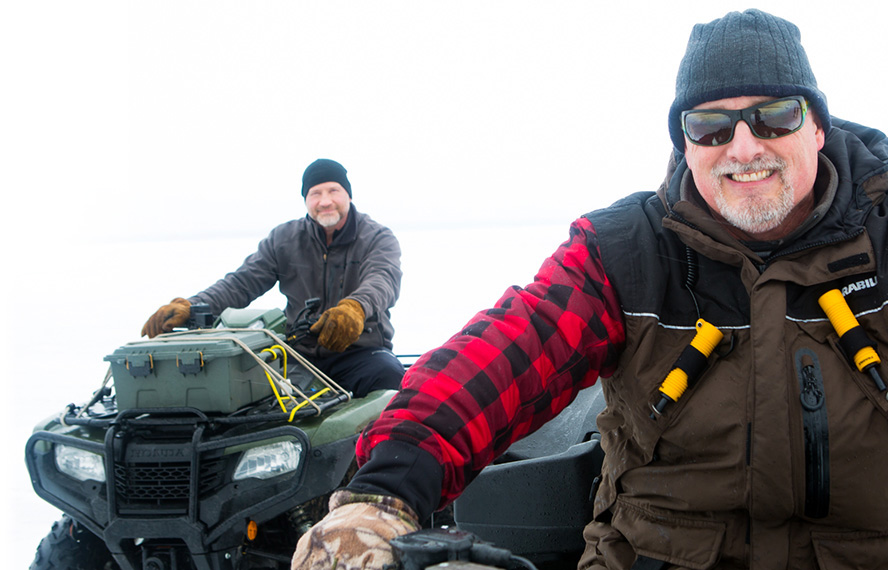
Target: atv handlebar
[301,326]
[201,317]
[428,547]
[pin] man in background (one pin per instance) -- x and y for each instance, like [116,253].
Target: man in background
[335,253]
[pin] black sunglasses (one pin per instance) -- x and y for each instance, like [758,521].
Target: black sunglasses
[768,120]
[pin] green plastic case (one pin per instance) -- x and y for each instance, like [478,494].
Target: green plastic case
[209,371]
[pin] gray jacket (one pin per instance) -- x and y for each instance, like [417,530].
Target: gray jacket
[362,263]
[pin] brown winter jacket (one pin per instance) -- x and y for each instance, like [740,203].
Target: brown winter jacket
[777,456]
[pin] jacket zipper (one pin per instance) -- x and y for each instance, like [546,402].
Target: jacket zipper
[816,434]
[325,278]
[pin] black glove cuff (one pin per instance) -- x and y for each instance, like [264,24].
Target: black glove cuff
[404,471]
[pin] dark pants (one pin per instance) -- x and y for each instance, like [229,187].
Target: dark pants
[362,370]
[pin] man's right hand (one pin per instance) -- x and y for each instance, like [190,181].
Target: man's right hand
[355,534]
[168,317]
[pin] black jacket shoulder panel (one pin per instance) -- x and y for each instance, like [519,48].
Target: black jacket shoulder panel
[645,262]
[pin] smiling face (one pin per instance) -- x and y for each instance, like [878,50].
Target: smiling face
[327,204]
[763,187]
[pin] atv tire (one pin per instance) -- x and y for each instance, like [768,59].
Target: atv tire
[69,546]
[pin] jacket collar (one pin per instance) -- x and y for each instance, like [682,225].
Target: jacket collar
[342,236]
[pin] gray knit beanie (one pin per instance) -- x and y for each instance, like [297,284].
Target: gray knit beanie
[748,53]
[324,170]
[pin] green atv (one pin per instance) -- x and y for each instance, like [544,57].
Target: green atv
[213,448]
[205,456]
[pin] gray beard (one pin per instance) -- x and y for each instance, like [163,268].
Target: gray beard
[328,220]
[754,214]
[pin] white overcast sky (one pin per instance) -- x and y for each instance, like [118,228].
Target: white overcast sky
[139,139]
[169,119]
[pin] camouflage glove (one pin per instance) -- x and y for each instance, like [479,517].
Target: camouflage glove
[340,326]
[355,534]
[167,318]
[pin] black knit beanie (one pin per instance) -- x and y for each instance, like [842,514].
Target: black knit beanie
[749,53]
[324,170]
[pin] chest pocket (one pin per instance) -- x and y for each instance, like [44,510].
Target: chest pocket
[634,391]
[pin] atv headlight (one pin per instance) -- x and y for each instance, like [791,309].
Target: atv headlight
[269,460]
[79,464]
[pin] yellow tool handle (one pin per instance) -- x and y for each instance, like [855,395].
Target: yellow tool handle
[675,384]
[843,320]
[705,341]
[707,338]
[837,310]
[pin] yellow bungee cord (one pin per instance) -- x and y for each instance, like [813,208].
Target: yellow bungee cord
[273,350]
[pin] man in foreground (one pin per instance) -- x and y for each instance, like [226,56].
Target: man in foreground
[773,455]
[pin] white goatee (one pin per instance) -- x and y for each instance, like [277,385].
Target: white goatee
[754,214]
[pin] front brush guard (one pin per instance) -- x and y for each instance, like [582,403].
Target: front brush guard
[95,505]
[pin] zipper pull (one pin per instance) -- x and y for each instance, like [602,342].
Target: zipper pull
[812,395]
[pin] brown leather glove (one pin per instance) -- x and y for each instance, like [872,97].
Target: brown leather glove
[355,534]
[167,318]
[340,326]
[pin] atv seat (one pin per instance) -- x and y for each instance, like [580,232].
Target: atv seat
[536,500]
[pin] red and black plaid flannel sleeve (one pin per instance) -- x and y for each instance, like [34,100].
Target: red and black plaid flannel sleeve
[511,369]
